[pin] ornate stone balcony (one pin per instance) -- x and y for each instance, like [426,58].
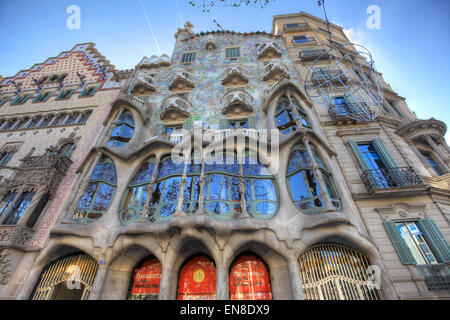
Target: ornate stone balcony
[234,75]
[15,236]
[237,101]
[134,102]
[224,134]
[268,50]
[306,55]
[153,62]
[175,108]
[437,276]
[181,80]
[275,70]
[391,179]
[143,85]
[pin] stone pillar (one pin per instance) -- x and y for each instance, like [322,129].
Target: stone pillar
[296,280]
[436,149]
[298,122]
[222,288]
[164,284]
[98,283]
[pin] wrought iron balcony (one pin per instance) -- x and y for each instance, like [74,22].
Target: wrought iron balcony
[335,76]
[306,55]
[348,112]
[382,179]
[437,276]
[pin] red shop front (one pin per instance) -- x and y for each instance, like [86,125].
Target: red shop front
[249,279]
[197,280]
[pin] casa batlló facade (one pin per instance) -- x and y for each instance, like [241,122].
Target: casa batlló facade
[274,196]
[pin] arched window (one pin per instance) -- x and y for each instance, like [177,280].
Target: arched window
[164,199]
[260,191]
[145,280]
[136,195]
[6,202]
[249,279]
[302,184]
[68,278]
[221,188]
[285,116]
[335,272]
[197,280]
[71,118]
[98,194]
[191,190]
[123,132]
[19,208]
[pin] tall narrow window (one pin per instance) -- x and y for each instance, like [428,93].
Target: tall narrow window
[33,122]
[6,202]
[284,115]
[191,190]
[232,53]
[71,118]
[98,194]
[5,157]
[84,117]
[164,199]
[415,240]
[123,132]
[436,168]
[19,208]
[67,149]
[302,184]
[136,194]
[188,57]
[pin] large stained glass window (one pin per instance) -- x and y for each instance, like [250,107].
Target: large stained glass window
[285,117]
[249,279]
[191,192]
[197,280]
[302,184]
[145,280]
[136,195]
[221,188]
[98,194]
[164,198]
[123,132]
[260,192]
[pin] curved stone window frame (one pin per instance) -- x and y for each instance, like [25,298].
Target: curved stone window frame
[314,203]
[259,180]
[326,276]
[135,197]
[166,190]
[285,106]
[98,183]
[125,123]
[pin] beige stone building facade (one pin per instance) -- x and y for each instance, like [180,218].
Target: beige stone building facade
[275,196]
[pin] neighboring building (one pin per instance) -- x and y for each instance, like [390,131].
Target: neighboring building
[50,117]
[299,217]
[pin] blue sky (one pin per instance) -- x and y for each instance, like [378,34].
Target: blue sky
[411,49]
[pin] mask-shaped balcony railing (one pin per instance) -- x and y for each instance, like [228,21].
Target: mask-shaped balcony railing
[313,54]
[237,98]
[153,62]
[277,69]
[181,79]
[143,84]
[175,104]
[234,74]
[225,133]
[263,48]
[437,276]
[390,178]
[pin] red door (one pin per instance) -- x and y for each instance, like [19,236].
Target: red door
[146,281]
[197,280]
[249,280]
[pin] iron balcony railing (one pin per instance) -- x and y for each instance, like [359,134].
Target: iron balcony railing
[290,27]
[376,179]
[437,276]
[330,75]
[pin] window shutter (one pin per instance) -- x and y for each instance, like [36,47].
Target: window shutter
[384,154]
[94,91]
[82,92]
[251,123]
[6,160]
[59,96]
[435,239]
[400,246]
[47,96]
[224,124]
[358,155]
